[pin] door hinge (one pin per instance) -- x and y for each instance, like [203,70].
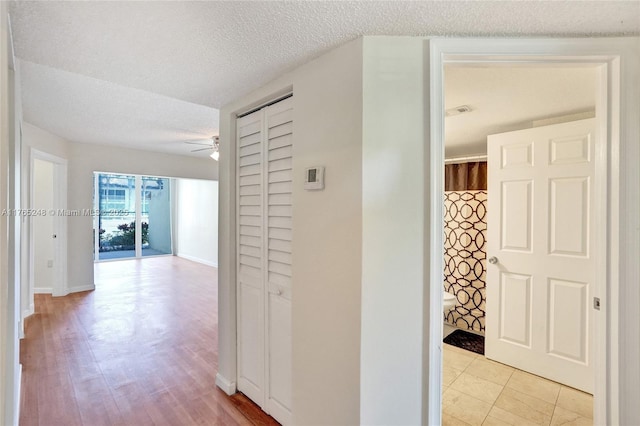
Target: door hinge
[596,303]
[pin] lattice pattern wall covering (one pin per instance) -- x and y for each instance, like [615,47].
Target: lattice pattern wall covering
[465,257]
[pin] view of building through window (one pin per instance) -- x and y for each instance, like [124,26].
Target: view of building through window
[134,217]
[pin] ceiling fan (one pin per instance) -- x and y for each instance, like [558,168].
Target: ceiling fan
[212,144]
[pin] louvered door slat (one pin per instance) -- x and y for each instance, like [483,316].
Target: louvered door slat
[280,245]
[251,241]
[280,200]
[251,200]
[255,169]
[280,130]
[280,222]
[281,141]
[253,139]
[282,164]
[280,210]
[280,256]
[250,210]
[279,118]
[250,180]
[280,153]
[250,149]
[280,176]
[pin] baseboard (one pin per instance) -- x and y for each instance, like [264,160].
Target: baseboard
[25,314]
[88,287]
[227,386]
[447,329]
[198,260]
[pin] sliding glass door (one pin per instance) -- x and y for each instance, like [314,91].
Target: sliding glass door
[134,216]
[117,216]
[156,216]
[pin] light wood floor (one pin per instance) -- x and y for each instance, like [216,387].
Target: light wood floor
[139,350]
[478,391]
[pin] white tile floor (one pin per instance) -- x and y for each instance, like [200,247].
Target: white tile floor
[478,391]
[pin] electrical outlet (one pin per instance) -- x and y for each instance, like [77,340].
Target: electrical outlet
[49,263]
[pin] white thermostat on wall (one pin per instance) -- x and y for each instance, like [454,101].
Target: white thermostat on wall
[314,178]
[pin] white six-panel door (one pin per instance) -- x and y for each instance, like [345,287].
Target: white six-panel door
[264,235]
[541,233]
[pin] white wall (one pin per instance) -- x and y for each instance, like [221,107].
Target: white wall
[327,121]
[83,160]
[4,249]
[10,324]
[15,191]
[358,293]
[327,117]
[43,250]
[395,107]
[196,221]
[33,138]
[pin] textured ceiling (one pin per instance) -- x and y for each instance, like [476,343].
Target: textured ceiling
[85,109]
[510,98]
[209,53]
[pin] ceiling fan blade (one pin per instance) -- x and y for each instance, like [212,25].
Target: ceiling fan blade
[202,149]
[198,143]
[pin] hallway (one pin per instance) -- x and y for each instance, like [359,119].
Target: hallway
[139,350]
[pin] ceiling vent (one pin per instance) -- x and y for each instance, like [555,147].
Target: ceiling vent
[462,109]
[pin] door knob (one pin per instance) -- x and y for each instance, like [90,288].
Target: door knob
[493,260]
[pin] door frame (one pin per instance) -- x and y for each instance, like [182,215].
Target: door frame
[60,285]
[617,110]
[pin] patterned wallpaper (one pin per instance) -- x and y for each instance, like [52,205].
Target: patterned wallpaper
[465,257]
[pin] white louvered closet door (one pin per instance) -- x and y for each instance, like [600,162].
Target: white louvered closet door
[264,261]
[250,273]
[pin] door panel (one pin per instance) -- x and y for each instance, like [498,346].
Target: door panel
[517,211]
[515,315]
[265,232]
[541,231]
[569,216]
[279,357]
[279,175]
[570,150]
[567,317]
[250,343]
[250,298]
[516,155]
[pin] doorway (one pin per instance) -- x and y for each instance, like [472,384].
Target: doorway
[575,52]
[43,226]
[47,225]
[500,271]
